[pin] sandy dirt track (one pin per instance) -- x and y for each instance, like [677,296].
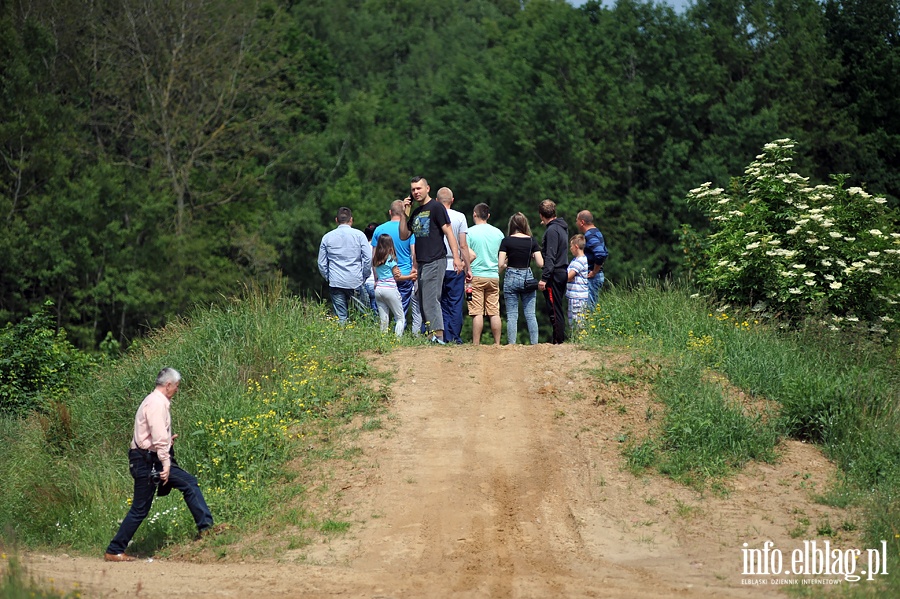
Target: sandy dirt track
[498,473]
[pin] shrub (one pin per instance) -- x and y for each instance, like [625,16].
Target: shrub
[796,249]
[38,365]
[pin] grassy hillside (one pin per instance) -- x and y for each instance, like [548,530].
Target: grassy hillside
[268,377]
[261,373]
[838,390]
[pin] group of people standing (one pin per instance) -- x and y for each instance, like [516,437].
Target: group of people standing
[425,262]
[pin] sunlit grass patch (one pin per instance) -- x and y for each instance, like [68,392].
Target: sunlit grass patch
[334,526]
[705,433]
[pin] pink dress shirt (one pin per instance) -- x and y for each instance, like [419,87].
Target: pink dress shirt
[153,426]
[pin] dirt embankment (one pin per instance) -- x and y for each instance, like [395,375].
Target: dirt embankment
[499,474]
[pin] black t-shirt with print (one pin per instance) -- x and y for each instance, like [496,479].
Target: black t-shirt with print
[426,224]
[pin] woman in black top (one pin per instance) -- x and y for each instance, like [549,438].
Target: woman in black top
[516,253]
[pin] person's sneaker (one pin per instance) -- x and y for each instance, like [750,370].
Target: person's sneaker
[438,340]
[118,557]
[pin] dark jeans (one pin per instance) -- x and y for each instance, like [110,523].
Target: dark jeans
[410,303]
[342,299]
[406,289]
[555,294]
[144,491]
[452,298]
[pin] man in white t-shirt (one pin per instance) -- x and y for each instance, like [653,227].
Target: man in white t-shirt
[454,288]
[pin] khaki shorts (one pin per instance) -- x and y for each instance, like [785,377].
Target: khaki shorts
[485,297]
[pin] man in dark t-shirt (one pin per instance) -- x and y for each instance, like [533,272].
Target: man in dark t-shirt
[430,223]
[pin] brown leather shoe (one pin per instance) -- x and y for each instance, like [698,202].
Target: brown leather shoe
[118,557]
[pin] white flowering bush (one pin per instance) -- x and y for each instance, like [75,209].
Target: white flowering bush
[797,249]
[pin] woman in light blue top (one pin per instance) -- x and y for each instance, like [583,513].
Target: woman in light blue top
[387,273]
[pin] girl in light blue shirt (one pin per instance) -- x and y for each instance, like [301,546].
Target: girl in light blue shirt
[387,273]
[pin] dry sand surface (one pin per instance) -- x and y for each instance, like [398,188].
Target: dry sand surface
[498,473]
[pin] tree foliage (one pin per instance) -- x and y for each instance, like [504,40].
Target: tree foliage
[38,365]
[157,155]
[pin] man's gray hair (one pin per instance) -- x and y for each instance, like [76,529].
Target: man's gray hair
[444,195]
[167,375]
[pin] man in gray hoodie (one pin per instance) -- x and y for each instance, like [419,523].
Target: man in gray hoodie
[555,250]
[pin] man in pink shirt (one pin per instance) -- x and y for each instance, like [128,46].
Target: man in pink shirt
[153,467]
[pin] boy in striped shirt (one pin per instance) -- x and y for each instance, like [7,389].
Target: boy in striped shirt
[577,287]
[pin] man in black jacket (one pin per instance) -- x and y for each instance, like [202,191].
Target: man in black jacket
[555,250]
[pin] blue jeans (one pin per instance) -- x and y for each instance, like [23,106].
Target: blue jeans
[370,289]
[408,295]
[452,297]
[144,491]
[407,290]
[341,299]
[595,284]
[513,290]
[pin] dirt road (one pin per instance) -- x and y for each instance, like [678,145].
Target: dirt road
[499,474]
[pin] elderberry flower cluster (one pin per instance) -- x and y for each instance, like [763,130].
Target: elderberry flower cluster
[801,250]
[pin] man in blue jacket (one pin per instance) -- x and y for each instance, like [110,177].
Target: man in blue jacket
[596,254]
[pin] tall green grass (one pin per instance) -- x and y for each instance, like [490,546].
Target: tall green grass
[260,372]
[705,433]
[836,389]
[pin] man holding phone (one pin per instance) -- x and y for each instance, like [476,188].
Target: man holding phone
[430,223]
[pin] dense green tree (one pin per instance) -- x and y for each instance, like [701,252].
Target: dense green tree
[142,144]
[155,155]
[865,36]
[39,148]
